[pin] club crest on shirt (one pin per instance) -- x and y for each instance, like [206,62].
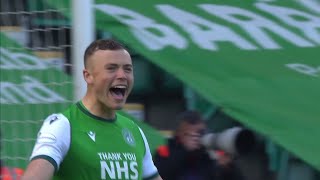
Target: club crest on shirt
[128,137]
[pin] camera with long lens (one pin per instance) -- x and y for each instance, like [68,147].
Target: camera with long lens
[236,140]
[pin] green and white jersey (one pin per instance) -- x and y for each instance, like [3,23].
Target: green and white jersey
[81,145]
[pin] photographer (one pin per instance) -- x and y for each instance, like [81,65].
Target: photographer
[184,157]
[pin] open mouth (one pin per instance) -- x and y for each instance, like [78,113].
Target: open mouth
[118,91]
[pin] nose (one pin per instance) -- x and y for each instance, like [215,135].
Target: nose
[121,74]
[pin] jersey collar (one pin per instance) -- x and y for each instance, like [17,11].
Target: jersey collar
[87,112]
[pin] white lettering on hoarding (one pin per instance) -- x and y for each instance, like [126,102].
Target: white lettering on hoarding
[205,33]
[312,5]
[255,25]
[308,24]
[305,69]
[31,91]
[20,61]
[205,38]
[142,27]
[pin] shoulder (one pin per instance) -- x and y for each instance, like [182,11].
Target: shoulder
[126,121]
[55,124]
[124,118]
[56,118]
[71,110]
[53,140]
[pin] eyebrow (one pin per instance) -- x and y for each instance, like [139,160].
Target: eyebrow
[128,65]
[114,64]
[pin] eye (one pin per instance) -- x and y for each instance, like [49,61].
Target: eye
[111,68]
[128,69]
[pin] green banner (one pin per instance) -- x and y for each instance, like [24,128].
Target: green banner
[258,60]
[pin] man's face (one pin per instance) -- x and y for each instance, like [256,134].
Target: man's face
[190,135]
[194,130]
[111,77]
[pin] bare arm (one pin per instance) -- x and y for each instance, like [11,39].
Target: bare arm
[38,169]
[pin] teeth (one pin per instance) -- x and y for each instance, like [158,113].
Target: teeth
[120,86]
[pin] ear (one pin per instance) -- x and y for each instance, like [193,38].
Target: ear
[87,76]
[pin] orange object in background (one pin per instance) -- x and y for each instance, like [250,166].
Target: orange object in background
[8,173]
[223,158]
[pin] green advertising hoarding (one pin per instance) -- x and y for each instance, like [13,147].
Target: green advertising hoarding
[31,89]
[258,60]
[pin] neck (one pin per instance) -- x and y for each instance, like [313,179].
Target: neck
[97,108]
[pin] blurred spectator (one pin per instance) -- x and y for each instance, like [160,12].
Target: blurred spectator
[184,157]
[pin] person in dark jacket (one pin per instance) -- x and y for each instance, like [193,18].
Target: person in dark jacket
[184,158]
[227,169]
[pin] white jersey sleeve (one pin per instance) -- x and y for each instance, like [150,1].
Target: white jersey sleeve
[148,167]
[53,140]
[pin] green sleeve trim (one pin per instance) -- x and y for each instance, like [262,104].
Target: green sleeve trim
[48,158]
[152,176]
